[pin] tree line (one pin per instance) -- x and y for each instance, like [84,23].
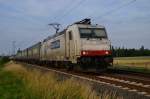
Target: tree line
[129,52]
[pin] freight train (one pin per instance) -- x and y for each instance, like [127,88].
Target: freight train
[81,46]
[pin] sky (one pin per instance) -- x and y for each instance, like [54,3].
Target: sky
[26,21]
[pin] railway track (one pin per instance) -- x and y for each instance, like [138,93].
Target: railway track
[126,84]
[132,78]
[131,83]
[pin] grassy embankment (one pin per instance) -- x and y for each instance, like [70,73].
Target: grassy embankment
[10,85]
[139,64]
[16,82]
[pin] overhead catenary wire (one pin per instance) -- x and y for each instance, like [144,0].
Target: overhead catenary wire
[113,10]
[71,9]
[66,12]
[62,9]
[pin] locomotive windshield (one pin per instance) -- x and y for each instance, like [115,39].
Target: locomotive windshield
[92,33]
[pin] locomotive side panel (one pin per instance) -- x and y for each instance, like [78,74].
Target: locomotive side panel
[72,44]
[56,51]
[53,49]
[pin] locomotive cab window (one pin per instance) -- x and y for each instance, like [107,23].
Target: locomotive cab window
[70,35]
[92,33]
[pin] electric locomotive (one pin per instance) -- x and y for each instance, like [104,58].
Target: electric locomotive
[81,45]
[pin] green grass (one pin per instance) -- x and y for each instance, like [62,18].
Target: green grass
[134,69]
[17,82]
[11,87]
[133,58]
[138,64]
[38,85]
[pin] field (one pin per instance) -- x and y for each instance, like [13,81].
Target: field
[139,63]
[17,82]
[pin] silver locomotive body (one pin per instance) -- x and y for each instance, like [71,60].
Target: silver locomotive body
[80,45]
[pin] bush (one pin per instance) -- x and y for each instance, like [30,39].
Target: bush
[4,60]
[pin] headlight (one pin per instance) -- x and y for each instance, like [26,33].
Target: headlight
[84,52]
[106,52]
